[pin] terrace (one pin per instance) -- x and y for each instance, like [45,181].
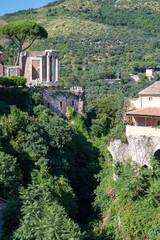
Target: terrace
[143,122]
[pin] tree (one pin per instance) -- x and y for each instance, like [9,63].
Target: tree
[10,175]
[43,217]
[20,31]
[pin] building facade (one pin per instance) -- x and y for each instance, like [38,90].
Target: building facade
[39,67]
[144,115]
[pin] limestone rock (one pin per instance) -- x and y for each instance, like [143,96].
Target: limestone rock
[138,149]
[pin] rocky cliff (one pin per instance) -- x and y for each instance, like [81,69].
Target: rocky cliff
[138,149]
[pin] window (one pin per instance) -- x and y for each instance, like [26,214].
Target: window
[149,99]
[48,105]
[158,123]
[60,105]
[72,103]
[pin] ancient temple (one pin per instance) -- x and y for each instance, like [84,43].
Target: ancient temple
[39,67]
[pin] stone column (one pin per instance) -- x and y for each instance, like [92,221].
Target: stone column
[57,70]
[48,68]
[30,66]
[53,67]
[41,71]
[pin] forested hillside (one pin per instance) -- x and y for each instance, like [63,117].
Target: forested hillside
[57,174]
[103,37]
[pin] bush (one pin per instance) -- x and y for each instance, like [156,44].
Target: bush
[37,98]
[12,81]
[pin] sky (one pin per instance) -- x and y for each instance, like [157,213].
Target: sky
[10,6]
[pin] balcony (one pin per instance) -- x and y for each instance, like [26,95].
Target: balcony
[142,131]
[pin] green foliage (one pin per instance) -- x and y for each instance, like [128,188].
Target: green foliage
[12,81]
[4,108]
[11,216]
[10,125]
[20,31]
[10,175]
[111,45]
[37,97]
[142,76]
[41,143]
[43,217]
[154,232]
[109,113]
[128,207]
[110,42]
[16,96]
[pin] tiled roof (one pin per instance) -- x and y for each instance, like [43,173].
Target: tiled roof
[151,111]
[153,89]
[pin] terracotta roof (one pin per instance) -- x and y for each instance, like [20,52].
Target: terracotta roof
[151,111]
[153,89]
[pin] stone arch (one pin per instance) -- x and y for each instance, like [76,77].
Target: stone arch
[157,154]
[144,166]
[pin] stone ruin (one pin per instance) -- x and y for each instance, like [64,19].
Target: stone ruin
[58,100]
[39,67]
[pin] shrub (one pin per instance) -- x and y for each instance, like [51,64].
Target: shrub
[37,97]
[12,81]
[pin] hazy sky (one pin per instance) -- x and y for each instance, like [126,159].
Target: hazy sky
[10,6]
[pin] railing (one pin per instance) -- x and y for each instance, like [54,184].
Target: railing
[142,131]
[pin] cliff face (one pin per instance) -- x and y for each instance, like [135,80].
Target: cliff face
[138,149]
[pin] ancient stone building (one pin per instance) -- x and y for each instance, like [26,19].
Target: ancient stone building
[39,67]
[42,68]
[58,100]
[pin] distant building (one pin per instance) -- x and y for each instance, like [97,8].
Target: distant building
[150,73]
[42,68]
[39,67]
[135,78]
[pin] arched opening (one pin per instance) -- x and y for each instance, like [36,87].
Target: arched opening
[157,155]
[144,166]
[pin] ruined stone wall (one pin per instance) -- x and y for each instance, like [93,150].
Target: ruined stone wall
[34,53]
[58,100]
[26,68]
[44,66]
[138,149]
[11,71]
[35,69]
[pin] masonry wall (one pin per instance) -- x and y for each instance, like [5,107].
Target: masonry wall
[138,149]
[58,101]
[11,71]
[35,69]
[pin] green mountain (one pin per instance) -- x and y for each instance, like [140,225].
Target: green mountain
[96,39]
